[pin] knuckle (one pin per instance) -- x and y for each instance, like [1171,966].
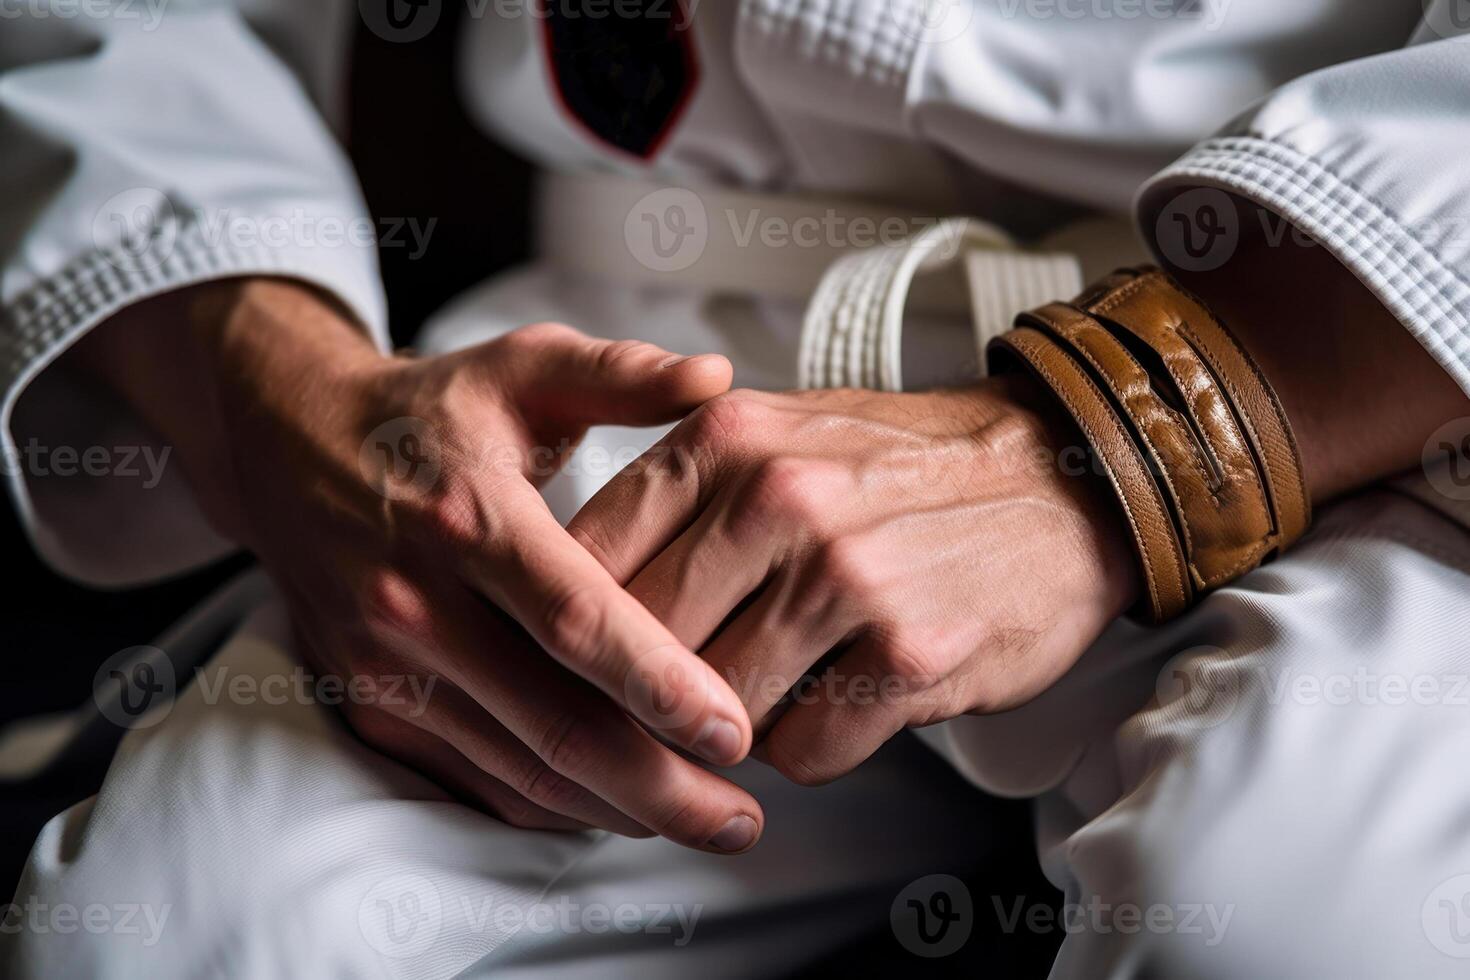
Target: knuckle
[455,518]
[619,352]
[785,489]
[574,622]
[917,666]
[544,786]
[724,422]
[680,818]
[592,536]
[563,744]
[534,335]
[392,605]
[789,760]
[511,809]
[670,464]
[849,568]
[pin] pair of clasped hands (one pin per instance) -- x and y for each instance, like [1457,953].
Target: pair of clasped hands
[798,574]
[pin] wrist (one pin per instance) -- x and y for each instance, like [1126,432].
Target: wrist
[196,363]
[1181,421]
[263,332]
[1361,393]
[1021,425]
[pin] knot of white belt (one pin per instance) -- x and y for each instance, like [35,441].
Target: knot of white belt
[621,229]
[851,334]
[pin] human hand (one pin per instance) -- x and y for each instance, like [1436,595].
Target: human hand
[425,558]
[932,544]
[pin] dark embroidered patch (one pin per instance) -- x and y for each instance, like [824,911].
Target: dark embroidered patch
[624,70]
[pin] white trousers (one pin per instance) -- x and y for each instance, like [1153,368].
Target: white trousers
[1273,785]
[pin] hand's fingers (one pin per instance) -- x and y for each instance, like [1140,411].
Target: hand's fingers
[694,584]
[581,735]
[489,746]
[571,606]
[590,742]
[643,508]
[434,758]
[722,450]
[860,702]
[770,646]
[568,376]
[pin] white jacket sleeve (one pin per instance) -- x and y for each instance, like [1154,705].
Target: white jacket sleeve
[145,146]
[1357,132]
[1368,159]
[1081,99]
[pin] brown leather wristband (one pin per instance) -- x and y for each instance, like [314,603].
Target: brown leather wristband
[1210,479]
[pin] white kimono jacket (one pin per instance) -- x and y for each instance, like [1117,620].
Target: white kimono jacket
[147,144]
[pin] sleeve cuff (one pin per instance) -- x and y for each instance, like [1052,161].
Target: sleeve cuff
[1425,293]
[129,518]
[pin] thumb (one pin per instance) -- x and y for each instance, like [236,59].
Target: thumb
[583,380]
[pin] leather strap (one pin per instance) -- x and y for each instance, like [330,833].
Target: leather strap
[1116,452]
[1210,446]
[1245,387]
[1190,437]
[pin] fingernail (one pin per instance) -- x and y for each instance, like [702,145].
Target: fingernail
[736,835]
[721,743]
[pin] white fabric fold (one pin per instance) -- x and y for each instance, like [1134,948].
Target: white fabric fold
[145,150]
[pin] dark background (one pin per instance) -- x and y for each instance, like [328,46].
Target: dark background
[418,156]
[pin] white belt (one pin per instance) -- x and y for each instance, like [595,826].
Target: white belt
[856,266]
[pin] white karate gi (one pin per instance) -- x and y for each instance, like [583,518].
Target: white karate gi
[1306,818]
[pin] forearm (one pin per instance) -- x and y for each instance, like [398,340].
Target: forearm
[1360,392]
[186,361]
[1217,426]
